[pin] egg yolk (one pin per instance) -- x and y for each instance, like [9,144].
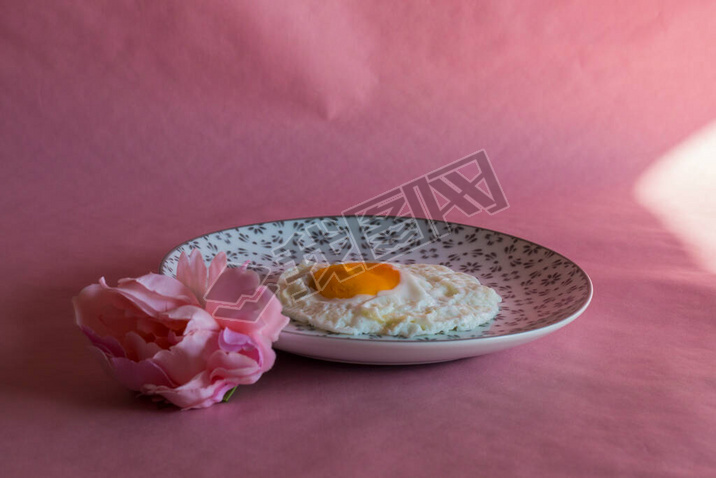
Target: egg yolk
[343,281]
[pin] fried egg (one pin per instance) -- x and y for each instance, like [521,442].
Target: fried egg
[385,298]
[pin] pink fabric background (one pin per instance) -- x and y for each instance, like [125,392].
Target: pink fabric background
[129,127]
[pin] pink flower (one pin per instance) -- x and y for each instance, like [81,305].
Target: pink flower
[161,336]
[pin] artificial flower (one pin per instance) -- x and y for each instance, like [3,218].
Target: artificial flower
[189,340]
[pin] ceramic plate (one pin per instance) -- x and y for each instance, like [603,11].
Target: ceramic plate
[542,290]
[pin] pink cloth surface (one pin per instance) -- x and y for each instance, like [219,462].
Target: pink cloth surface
[129,127]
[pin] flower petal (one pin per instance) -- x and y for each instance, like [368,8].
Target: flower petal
[230,341]
[272,318]
[246,365]
[216,268]
[188,358]
[139,349]
[257,315]
[108,345]
[191,271]
[230,287]
[97,308]
[234,367]
[199,392]
[155,293]
[196,317]
[137,375]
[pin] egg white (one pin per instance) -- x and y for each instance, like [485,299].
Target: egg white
[429,299]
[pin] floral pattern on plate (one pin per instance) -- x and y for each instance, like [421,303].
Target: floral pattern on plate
[539,287]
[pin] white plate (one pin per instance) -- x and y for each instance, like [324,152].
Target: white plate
[542,291]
